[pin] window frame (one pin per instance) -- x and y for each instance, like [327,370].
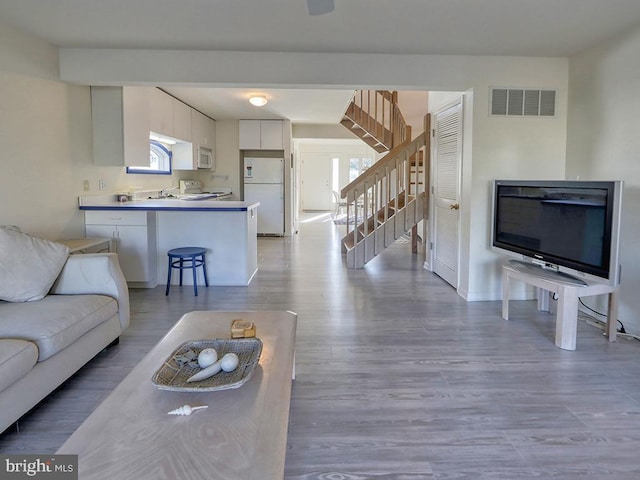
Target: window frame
[157,146]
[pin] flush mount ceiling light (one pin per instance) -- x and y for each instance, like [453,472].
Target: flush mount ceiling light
[258,100]
[320,7]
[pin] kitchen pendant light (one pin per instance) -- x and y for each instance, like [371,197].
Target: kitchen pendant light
[258,100]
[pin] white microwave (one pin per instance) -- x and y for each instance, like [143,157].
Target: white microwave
[205,158]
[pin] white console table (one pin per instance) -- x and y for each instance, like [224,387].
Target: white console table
[568,294]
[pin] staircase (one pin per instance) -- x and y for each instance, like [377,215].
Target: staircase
[389,199]
[374,117]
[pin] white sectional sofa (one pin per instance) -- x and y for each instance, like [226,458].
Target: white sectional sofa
[43,342]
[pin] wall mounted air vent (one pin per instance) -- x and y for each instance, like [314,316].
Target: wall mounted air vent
[520,102]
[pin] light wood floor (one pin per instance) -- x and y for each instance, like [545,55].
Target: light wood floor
[397,376]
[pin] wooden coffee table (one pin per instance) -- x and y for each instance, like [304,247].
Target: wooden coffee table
[241,436]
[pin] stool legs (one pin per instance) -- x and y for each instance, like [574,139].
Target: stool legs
[195,281]
[196,260]
[204,271]
[166,292]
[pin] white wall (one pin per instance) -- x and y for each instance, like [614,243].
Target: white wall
[604,144]
[414,106]
[320,131]
[44,133]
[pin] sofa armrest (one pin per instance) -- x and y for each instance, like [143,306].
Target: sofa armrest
[98,274]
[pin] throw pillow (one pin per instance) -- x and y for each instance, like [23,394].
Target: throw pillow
[28,265]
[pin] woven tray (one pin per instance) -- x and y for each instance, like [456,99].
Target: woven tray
[175,371]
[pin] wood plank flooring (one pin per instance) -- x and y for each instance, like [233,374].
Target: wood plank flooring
[397,377]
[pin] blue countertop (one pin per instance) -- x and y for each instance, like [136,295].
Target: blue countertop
[170,204]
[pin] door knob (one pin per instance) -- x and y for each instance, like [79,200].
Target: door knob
[454,206]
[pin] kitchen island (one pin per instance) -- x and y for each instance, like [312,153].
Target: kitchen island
[143,231]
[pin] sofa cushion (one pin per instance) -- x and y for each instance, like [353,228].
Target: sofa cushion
[17,357]
[56,321]
[28,265]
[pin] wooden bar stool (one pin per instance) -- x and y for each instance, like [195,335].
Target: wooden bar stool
[187,257]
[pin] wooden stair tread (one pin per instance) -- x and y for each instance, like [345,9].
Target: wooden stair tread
[357,120]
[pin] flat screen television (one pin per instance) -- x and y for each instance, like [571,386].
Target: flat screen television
[569,227]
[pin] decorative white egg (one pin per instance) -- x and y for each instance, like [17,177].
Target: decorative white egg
[207,357]
[229,362]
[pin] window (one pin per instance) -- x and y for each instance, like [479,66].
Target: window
[357,166]
[159,160]
[335,174]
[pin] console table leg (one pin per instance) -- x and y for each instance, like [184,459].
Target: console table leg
[567,318]
[612,316]
[505,295]
[543,299]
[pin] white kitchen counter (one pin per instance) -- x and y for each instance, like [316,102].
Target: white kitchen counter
[165,204]
[226,228]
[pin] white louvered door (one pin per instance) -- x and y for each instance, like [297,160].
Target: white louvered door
[446,193]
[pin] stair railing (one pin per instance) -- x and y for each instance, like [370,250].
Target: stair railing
[384,186]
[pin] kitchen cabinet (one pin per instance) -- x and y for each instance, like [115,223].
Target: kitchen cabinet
[120,123]
[271,134]
[181,120]
[261,134]
[161,112]
[133,237]
[203,130]
[203,133]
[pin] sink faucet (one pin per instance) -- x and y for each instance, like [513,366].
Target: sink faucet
[165,191]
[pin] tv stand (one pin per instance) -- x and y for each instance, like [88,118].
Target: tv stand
[568,294]
[538,270]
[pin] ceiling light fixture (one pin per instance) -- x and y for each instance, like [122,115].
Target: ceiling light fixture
[258,100]
[320,7]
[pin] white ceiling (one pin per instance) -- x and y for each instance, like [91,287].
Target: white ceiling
[550,28]
[454,27]
[297,105]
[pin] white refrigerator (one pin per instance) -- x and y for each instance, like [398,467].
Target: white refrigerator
[264,183]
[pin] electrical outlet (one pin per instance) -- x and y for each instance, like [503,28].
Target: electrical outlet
[101,184]
[86,185]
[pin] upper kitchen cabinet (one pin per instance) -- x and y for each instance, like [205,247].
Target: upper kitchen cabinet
[161,111]
[120,122]
[261,135]
[203,130]
[169,116]
[200,151]
[181,120]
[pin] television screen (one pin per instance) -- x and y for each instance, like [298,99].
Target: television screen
[567,223]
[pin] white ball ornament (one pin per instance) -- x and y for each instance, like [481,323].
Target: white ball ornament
[206,357]
[229,362]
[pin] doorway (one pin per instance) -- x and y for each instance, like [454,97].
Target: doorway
[317,181]
[328,165]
